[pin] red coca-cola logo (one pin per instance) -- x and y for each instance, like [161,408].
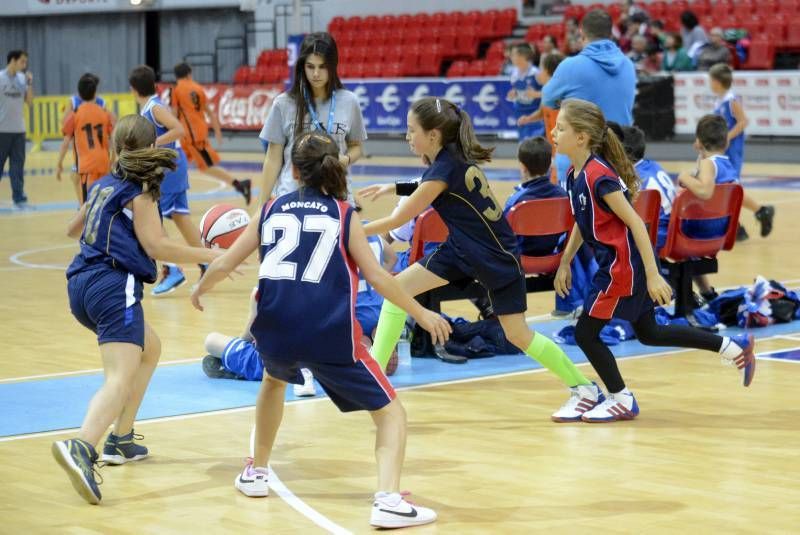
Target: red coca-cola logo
[245,110]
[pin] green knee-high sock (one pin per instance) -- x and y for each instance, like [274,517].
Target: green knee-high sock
[552,357]
[390,325]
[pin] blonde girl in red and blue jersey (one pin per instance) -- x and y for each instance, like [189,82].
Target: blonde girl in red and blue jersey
[311,245]
[120,237]
[480,244]
[601,185]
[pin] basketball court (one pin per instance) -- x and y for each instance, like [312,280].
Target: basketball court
[704,455]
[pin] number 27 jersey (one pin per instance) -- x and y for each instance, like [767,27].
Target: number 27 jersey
[307,281]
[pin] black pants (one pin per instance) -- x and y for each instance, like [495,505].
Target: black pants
[650,333]
[12,147]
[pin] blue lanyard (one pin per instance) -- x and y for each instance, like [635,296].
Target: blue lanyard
[315,118]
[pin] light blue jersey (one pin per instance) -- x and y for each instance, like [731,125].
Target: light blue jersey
[654,177]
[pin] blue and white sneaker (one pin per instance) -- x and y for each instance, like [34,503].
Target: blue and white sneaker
[120,450]
[582,398]
[616,407]
[171,278]
[746,360]
[78,459]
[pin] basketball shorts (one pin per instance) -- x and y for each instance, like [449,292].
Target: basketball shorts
[355,386]
[510,298]
[602,306]
[109,303]
[174,203]
[202,154]
[241,357]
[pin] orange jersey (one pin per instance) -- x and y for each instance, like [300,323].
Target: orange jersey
[189,99]
[550,115]
[90,125]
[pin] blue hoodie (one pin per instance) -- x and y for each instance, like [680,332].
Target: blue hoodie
[601,74]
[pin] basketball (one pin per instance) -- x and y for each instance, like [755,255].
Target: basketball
[222,224]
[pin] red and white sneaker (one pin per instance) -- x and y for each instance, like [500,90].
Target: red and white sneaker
[616,407]
[252,481]
[582,398]
[393,511]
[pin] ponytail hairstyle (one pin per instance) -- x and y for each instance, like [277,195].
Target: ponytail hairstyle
[321,44]
[315,156]
[454,124]
[585,117]
[137,159]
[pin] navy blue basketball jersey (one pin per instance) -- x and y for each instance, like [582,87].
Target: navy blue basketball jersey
[620,268]
[479,233]
[307,281]
[108,237]
[654,177]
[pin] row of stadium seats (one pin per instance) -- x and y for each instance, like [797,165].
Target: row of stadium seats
[261,75]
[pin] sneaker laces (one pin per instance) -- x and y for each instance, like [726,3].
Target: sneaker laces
[137,436]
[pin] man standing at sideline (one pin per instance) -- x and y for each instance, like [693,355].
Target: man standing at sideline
[601,74]
[16,85]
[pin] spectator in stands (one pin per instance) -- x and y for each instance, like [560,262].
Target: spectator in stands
[638,52]
[693,35]
[572,29]
[574,47]
[716,51]
[657,33]
[674,58]
[651,64]
[547,45]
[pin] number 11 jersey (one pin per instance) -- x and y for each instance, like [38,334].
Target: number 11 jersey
[307,281]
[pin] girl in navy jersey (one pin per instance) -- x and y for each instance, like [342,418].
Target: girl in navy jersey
[480,245]
[120,237]
[601,184]
[310,242]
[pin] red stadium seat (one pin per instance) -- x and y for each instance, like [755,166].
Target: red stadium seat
[493,67]
[336,24]
[446,38]
[761,55]
[430,61]
[701,8]
[648,206]
[257,76]
[413,36]
[373,70]
[793,33]
[789,8]
[404,21]
[496,51]
[467,43]
[440,18]
[241,74]
[541,217]
[360,54]
[393,70]
[775,30]
[504,25]
[476,68]
[409,59]
[370,23]
[355,24]
[357,70]
[458,69]
[388,21]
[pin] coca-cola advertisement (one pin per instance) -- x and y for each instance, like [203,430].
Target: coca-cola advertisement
[238,107]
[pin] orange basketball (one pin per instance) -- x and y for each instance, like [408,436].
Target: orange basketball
[222,224]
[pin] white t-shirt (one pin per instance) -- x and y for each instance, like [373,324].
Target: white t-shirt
[347,125]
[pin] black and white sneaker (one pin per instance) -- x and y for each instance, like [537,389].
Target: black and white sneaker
[392,511]
[244,187]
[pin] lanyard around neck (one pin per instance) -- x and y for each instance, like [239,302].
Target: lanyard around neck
[315,118]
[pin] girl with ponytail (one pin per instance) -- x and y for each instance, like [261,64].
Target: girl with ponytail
[601,185]
[480,246]
[121,236]
[310,241]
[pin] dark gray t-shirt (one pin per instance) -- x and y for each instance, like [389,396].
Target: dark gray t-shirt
[348,125]
[12,97]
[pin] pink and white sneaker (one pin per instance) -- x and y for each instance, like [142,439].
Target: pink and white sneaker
[616,407]
[582,398]
[252,481]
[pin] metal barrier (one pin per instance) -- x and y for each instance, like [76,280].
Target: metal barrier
[45,116]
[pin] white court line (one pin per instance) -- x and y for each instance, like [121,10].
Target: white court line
[17,257]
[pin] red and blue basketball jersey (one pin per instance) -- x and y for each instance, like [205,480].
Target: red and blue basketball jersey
[108,236]
[479,234]
[620,268]
[307,281]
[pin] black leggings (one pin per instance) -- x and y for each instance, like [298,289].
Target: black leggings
[650,333]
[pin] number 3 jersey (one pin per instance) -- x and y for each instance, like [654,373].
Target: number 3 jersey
[307,281]
[479,234]
[108,237]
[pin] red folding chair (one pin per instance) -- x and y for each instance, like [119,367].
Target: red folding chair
[428,228]
[648,206]
[684,256]
[761,55]
[541,217]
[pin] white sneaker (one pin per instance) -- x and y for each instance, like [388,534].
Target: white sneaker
[392,511]
[616,407]
[307,389]
[582,398]
[252,481]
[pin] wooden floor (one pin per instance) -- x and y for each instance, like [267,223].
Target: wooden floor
[706,455]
